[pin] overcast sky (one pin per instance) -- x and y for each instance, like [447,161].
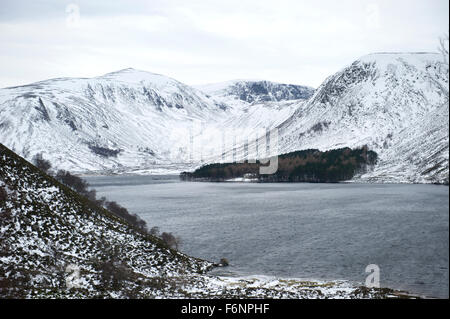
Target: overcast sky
[196,42]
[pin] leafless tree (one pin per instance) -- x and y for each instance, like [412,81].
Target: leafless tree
[171,240]
[41,163]
[3,194]
[74,182]
[154,231]
[444,49]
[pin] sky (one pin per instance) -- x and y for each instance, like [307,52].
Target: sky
[198,42]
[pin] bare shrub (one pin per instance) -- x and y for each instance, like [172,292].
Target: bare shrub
[3,194]
[74,182]
[41,163]
[113,274]
[154,231]
[224,262]
[171,240]
[123,213]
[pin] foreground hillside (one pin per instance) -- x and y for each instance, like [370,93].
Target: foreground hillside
[46,227]
[56,244]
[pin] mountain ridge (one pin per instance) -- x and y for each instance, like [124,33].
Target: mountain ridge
[147,121]
[372,101]
[143,118]
[256,91]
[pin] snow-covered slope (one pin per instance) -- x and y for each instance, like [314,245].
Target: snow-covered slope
[239,91]
[122,121]
[138,121]
[390,102]
[49,233]
[254,107]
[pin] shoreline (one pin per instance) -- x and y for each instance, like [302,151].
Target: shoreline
[177,177]
[245,279]
[261,286]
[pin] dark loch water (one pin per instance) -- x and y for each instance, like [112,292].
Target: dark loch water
[308,231]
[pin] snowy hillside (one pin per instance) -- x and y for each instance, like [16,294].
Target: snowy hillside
[124,118]
[390,102]
[122,121]
[239,91]
[46,227]
[135,121]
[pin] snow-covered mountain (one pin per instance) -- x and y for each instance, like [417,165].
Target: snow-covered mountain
[125,120]
[239,91]
[130,120]
[392,103]
[120,119]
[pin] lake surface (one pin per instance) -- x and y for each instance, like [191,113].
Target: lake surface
[307,231]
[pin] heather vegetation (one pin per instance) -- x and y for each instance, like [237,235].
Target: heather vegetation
[3,194]
[311,166]
[56,243]
[82,187]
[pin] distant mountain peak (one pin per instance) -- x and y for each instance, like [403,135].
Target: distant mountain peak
[257,91]
[384,58]
[132,75]
[388,101]
[397,53]
[128,70]
[391,102]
